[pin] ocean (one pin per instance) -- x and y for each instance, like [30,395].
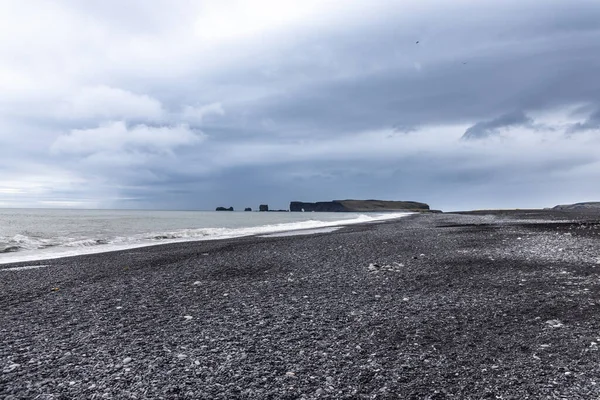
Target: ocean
[38,234]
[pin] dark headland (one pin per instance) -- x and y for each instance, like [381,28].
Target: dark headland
[493,304]
[358,206]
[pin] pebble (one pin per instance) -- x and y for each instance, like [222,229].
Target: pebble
[197,283]
[181,356]
[127,360]
[11,368]
[554,323]
[188,317]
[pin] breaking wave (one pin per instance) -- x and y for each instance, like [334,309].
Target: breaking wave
[27,248]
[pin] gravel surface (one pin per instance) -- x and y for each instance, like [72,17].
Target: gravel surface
[499,305]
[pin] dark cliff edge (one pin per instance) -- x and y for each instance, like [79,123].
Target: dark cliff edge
[359,206]
[587,206]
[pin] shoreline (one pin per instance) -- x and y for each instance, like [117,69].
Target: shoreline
[64,252]
[427,306]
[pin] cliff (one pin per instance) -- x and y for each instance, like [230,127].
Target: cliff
[358,206]
[588,206]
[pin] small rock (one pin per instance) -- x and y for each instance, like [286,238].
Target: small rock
[11,368]
[290,374]
[181,356]
[118,307]
[405,299]
[373,267]
[197,283]
[188,317]
[554,323]
[127,360]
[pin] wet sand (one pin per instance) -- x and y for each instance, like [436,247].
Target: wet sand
[432,306]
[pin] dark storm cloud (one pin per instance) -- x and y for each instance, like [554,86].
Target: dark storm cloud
[591,123]
[487,128]
[487,85]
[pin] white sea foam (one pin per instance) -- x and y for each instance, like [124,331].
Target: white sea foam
[303,232]
[23,268]
[32,248]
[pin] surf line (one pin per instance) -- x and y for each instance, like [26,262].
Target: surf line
[24,268]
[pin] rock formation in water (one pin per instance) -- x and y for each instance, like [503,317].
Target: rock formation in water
[224,209]
[247,209]
[263,207]
[358,205]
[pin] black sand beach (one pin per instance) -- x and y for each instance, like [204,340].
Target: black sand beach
[465,306]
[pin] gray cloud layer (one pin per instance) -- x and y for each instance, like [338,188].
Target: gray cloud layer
[193,105]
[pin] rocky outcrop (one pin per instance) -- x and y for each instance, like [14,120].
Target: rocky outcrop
[358,206]
[224,209]
[321,206]
[587,206]
[263,207]
[247,209]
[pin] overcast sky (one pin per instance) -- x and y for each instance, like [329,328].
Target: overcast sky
[162,104]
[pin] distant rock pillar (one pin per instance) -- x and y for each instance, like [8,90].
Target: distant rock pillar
[263,207]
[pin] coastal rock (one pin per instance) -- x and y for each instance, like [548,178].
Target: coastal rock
[263,207]
[247,209]
[224,209]
[358,205]
[586,206]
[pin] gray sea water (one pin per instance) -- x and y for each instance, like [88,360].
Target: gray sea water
[36,234]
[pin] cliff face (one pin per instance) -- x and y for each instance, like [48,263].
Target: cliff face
[321,206]
[358,205]
[592,205]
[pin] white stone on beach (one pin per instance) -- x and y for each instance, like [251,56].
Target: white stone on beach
[127,360]
[11,368]
[197,283]
[181,356]
[554,323]
[188,317]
